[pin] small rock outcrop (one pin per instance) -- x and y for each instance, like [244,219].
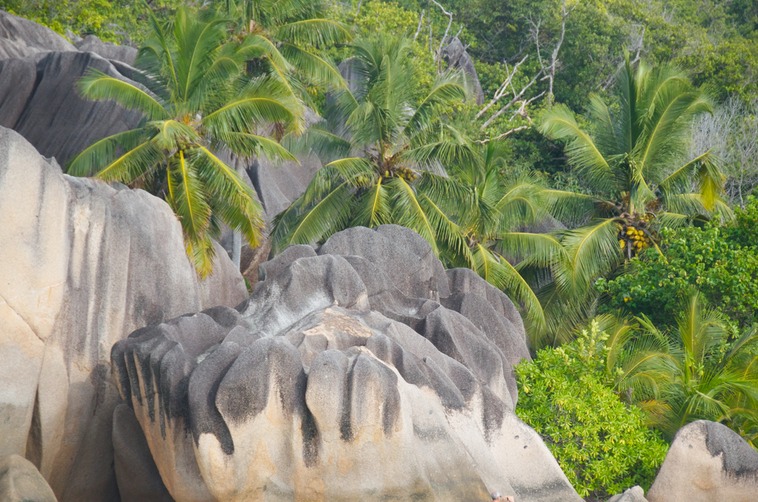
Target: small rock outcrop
[20,38]
[361,370]
[707,461]
[122,53]
[82,264]
[457,56]
[20,481]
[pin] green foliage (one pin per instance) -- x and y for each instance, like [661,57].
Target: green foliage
[633,156]
[290,40]
[390,18]
[601,444]
[699,369]
[111,20]
[720,261]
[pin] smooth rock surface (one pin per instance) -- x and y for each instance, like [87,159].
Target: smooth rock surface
[39,100]
[707,461]
[112,52]
[20,38]
[82,264]
[342,378]
[634,494]
[457,56]
[20,481]
[137,476]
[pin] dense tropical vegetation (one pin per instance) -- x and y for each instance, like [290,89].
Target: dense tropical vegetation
[605,177]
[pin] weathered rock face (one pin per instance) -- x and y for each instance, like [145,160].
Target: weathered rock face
[113,52]
[707,461]
[457,57]
[39,100]
[20,481]
[82,264]
[20,38]
[358,371]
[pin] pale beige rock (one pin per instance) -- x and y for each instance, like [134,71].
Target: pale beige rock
[82,264]
[20,481]
[334,384]
[707,462]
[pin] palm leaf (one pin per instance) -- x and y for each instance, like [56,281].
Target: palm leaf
[445,91]
[189,200]
[592,252]
[496,270]
[314,32]
[408,211]
[99,86]
[245,144]
[560,124]
[373,207]
[103,151]
[327,216]
[313,67]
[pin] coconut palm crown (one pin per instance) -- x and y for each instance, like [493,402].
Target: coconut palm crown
[385,154]
[633,158]
[290,36]
[195,100]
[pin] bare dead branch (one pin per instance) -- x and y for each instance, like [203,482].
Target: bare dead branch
[501,91]
[438,54]
[504,135]
[420,24]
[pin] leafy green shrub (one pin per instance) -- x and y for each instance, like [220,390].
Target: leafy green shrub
[721,262]
[601,444]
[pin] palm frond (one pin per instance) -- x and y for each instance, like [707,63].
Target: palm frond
[316,32]
[325,144]
[592,252]
[408,212]
[231,198]
[373,206]
[313,67]
[103,151]
[559,124]
[451,238]
[325,217]
[99,86]
[189,203]
[529,249]
[244,113]
[133,163]
[496,270]
[246,144]
[445,91]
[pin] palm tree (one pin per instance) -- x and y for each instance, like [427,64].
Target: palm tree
[633,157]
[385,154]
[696,372]
[195,100]
[290,36]
[493,220]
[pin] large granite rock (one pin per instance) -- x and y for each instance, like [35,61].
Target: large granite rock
[39,99]
[707,462]
[20,38]
[347,376]
[82,264]
[20,481]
